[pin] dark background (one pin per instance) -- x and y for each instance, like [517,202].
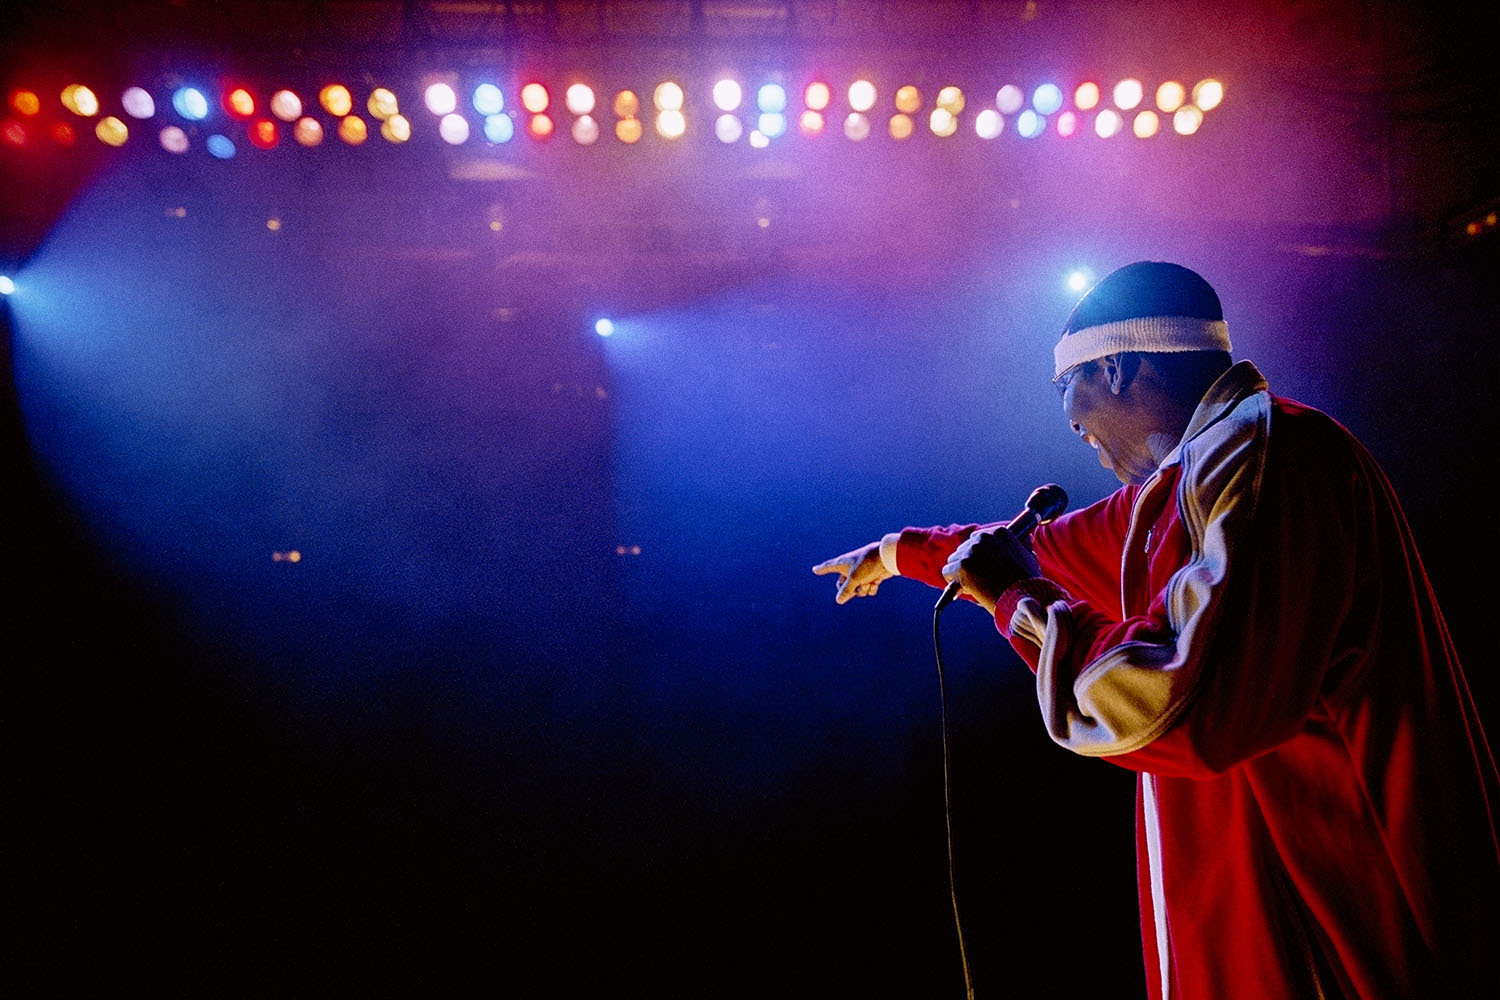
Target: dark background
[551,696]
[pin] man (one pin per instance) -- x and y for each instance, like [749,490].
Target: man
[1247,625]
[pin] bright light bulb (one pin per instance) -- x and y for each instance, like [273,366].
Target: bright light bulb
[440,99]
[579,99]
[861,95]
[727,95]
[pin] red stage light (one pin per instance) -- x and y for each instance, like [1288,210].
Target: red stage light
[534,98]
[263,134]
[238,103]
[25,102]
[63,134]
[14,133]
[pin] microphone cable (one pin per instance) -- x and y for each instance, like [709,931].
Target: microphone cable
[963,955]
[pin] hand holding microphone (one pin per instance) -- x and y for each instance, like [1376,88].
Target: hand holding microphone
[989,561]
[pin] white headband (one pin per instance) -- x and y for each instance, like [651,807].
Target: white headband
[1144,333]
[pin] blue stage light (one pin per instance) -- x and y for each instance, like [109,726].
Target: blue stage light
[7,286]
[190,103]
[604,327]
[220,146]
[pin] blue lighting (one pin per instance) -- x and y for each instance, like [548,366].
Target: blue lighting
[1047,99]
[488,100]
[190,103]
[1079,279]
[772,99]
[604,327]
[772,126]
[499,128]
[220,146]
[1030,124]
[7,286]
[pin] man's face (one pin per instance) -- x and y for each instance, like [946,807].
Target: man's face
[1104,420]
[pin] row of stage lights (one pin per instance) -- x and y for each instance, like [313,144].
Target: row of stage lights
[760,119]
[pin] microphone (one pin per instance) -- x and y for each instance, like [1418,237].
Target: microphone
[1044,504]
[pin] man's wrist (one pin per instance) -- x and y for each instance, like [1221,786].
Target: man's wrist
[888,546]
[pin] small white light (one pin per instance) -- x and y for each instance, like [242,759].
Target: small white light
[604,327]
[6,285]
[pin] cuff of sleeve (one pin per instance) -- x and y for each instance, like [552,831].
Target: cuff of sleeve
[1037,587]
[888,546]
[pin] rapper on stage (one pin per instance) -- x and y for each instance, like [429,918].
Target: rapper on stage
[1246,624]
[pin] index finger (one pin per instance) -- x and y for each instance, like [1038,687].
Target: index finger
[838,564]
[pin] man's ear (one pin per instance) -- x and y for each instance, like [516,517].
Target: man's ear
[1120,369]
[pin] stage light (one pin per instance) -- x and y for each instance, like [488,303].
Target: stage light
[80,100]
[579,99]
[1030,124]
[758,139]
[534,98]
[671,124]
[629,130]
[1009,99]
[857,127]
[382,104]
[540,126]
[137,103]
[238,103]
[951,100]
[771,99]
[585,130]
[1186,120]
[7,286]
[1086,97]
[353,130]
[263,134]
[988,123]
[220,147]
[901,126]
[454,129]
[308,132]
[908,100]
[62,134]
[728,129]
[811,122]
[336,100]
[13,133]
[817,96]
[286,105]
[1208,94]
[440,99]
[1169,96]
[668,97]
[861,96]
[1128,94]
[1067,124]
[173,139]
[772,125]
[1108,124]
[396,129]
[488,100]
[1079,280]
[943,122]
[190,103]
[499,128]
[1047,99]
[25,102]
[727,95]
[627,105]
[604,327]
[1146,124]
